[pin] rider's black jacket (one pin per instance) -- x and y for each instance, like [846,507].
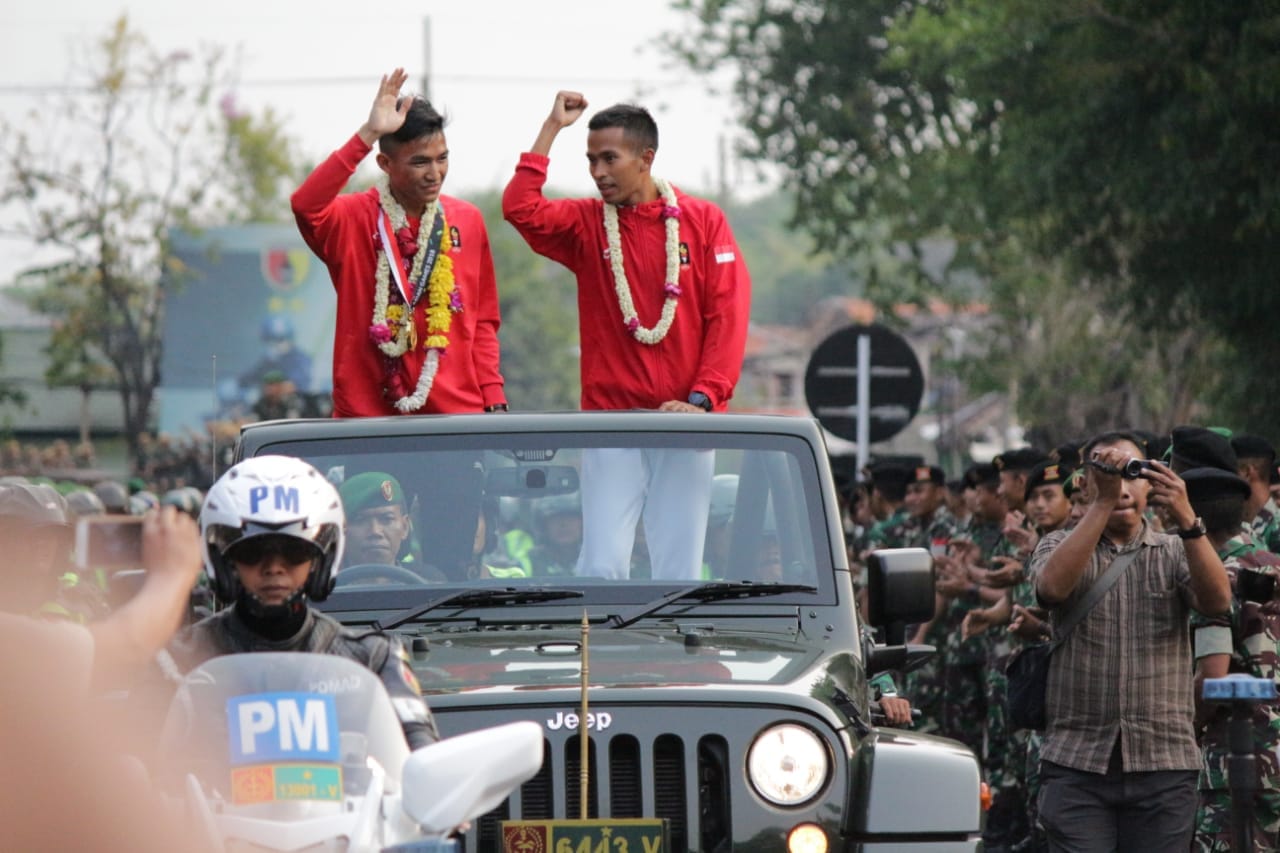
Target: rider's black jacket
[228,633]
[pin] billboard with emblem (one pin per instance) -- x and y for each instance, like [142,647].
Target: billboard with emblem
[256,307]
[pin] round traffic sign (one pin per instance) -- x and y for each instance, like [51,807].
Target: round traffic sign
[896,382]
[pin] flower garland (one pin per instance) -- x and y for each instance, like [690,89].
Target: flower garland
[392,329]
[671,215]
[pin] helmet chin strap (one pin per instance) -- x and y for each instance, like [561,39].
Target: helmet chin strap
[273,621]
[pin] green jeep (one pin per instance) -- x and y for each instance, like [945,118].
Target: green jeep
[731,703]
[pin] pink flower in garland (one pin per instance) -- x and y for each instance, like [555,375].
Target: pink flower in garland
[380,333]
[633,324]
[408,242]
[671,289]
[671,211]
[455,303]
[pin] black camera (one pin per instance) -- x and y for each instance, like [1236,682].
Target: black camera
[1131,470]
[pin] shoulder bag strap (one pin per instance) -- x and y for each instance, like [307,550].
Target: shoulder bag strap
[1094,595]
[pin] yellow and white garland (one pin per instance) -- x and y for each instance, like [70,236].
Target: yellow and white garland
[671,215]
[393,330]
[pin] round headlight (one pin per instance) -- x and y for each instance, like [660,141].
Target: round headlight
[788,764]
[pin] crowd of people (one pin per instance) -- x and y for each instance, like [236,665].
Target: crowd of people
[1130,758]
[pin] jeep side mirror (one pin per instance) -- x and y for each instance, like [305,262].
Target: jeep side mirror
[897,658]
[899,590]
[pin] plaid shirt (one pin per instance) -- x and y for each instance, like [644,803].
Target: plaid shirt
[1125,670]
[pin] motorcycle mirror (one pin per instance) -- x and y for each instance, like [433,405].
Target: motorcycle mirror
[465,776]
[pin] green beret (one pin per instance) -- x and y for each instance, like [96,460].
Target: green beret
[371,489]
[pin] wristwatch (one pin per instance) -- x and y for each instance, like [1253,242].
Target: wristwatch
[496,407]
[702,401]
[1195,531]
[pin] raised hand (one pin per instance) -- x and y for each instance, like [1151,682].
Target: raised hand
[568,108]
[384,116]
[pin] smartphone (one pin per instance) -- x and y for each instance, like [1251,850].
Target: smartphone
[109,541]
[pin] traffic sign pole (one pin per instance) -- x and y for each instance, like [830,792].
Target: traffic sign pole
[864,400]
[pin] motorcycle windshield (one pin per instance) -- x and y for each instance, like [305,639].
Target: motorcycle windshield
[282,736]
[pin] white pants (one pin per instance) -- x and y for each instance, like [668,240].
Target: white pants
[671,489]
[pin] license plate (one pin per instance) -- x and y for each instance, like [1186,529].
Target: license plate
[623,835]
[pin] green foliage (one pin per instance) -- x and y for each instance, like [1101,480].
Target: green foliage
[539,333]
[138,148]
[9,393]
[1127,148]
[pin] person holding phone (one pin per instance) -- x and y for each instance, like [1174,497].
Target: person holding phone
[35,539]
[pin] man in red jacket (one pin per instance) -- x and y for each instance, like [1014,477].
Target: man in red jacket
[663,303]
[417,325]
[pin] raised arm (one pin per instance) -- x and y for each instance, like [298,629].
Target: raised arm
[568,108]
[1062,571]
[1210,586]
[384,116]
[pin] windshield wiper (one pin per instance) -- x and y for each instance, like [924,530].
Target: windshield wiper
[465,598]
[710,591]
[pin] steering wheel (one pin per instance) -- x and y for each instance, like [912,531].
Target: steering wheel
[373,572]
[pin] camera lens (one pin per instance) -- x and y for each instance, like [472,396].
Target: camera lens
[1134,467]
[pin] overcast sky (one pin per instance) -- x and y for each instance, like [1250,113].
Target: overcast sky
[495,67]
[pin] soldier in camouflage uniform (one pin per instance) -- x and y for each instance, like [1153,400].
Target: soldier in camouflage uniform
[931,526]
[888,503]
[964,711]
[1256,460]
[1006,563]
[1247,641]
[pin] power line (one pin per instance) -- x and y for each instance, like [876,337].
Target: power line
[311,82]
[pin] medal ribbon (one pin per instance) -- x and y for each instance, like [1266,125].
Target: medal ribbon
[393,252]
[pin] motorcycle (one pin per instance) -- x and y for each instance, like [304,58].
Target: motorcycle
[289,751]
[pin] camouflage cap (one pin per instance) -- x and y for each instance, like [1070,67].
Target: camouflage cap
[370,489]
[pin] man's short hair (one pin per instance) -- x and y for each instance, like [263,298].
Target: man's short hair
[1019,460]
[637,125]
[421,121]
[1111,437]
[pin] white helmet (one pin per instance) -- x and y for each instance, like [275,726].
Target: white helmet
[272,496]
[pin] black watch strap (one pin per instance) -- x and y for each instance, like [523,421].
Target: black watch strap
[1195,531]
[496,407]
[702,401]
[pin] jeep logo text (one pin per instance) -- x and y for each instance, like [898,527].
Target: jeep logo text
[599,722]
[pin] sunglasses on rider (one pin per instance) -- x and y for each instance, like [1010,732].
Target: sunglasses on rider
[254,551]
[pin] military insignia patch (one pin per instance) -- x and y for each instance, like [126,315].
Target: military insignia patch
[388,491]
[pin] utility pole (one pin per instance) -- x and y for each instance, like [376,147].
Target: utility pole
[426,57]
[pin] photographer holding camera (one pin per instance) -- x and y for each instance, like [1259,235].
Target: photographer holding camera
[1119,759]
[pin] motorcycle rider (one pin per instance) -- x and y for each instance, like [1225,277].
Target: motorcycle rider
[272,529]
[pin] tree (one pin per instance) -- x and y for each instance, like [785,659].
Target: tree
[539,334]
[1126,142]
[140,149]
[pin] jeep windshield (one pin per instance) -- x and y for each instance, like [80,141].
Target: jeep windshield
[435,514]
